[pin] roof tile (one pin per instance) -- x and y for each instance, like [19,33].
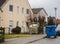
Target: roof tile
[2,2]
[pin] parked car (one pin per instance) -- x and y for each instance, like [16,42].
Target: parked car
[33,28]
[58,30]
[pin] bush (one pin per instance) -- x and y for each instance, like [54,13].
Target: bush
[16,30]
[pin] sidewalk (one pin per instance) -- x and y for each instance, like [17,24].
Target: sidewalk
[23,40]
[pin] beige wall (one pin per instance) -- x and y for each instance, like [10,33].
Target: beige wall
[21,17]
[0,19]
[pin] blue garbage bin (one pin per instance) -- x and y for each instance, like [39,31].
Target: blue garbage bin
[51,30]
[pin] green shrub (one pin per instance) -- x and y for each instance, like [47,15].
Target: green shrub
[16,30]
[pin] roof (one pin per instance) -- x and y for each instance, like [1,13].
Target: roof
[2,2]
[36,10]
[51,17]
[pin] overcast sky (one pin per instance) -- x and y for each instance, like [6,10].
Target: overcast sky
[48,5]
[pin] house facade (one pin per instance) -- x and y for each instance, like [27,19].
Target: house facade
[13,13]
[57,21]
[40,12]
[40,16]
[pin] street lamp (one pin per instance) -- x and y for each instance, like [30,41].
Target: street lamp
[55,14]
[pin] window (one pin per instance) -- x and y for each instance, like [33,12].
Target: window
[22,10]
[10,23]
[11,8]
[17,9]
[27,11]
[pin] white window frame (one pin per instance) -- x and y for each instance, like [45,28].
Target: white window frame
[17,9]
[10,8]
[11,23]
[22,10]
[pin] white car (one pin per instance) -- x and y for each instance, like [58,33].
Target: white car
[58,30]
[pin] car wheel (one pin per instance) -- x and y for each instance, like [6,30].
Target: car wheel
[55,36]
[48,36]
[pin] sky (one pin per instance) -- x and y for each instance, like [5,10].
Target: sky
[48,5]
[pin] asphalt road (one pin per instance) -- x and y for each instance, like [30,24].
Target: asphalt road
[47,41]
[37,39]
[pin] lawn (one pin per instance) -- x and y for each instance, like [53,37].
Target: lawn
[10,36]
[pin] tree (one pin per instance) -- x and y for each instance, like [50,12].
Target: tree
[41,24]
[51,21]
[35,19]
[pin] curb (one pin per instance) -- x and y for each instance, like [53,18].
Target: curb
[36,40]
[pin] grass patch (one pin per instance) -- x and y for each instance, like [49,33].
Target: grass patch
[10,36]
